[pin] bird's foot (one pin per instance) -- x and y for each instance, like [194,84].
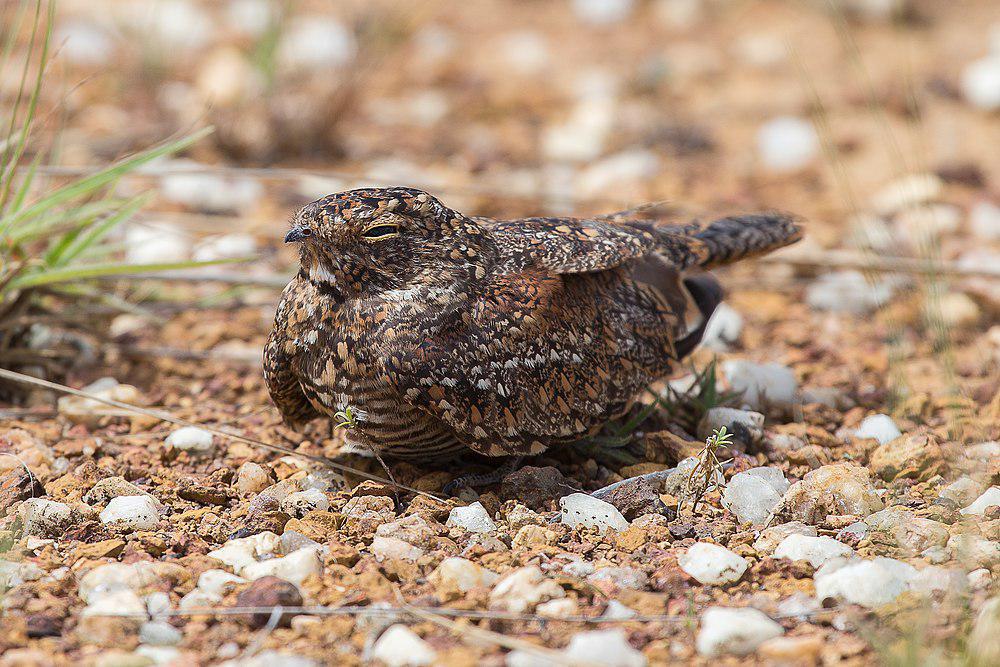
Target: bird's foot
[482,479]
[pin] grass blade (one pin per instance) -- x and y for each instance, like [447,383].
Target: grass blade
[97,180]
[95,232]
[91,271]
[9,165]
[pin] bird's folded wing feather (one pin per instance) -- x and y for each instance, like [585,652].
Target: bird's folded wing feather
[570,245]
[518,367]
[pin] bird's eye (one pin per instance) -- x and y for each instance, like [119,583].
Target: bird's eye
[306,232]
[381,231]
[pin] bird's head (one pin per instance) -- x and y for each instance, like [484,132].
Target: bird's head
[379,239]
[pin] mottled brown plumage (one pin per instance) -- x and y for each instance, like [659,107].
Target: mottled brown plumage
[441,332]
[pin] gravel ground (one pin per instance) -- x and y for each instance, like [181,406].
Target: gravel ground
[858,521]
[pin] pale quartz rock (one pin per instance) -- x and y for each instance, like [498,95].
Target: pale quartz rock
[399,646]
[461,574]
[239,553]
[989,498]
[787,144]
[753,494]
[191,439]
[763,385]
[473,518]
[712,564]
[734,631]
[520,590]
[581,509]
[393,548]
[817,550]
[131,513]
[294,567]
[45,518]
[608,648]
[869,583]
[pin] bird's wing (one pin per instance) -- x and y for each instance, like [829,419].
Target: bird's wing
[570,245]
[538,358]
[279,367]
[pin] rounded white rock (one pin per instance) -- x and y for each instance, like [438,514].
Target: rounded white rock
[712,564]
[817,550]
[399,646]
[191,439]
[787,143]
[131,513]
[581,509]
[608,648]
[981,83]
[737,631]
[473,518]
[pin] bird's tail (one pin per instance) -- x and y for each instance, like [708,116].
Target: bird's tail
[737,237]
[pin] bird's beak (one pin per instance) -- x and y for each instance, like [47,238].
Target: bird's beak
[294,235]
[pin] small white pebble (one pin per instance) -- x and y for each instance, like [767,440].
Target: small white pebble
[393,548]
[989,498]
[816,550]
[787,144]
[736,631]
[608,648]
[219,582]
[879,427]
[473,518]
[294,567]
[981,83]
[191,439]
[581,509]
[131,513]
[713,564]
[399,646]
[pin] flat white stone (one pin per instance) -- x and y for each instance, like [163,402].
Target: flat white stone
[294,567]
[399,646]
[191,439]
[218,582]
[989,498]
[581,509]
[122,601]
[984,221]
[113,577]
[608,648]
[245,551]
[159,633]
[712,564]
[131,513]
[736,631]
[316,42]
[869,583]
[45,518]
[461,574]
[817,550]
[519,591]
[602,12]
[787,143]
[390,547]
[880,427]
[981,83]
[752,495]
[473,518]
[762,384]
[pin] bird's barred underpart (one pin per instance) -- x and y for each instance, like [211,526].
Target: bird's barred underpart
[441,332]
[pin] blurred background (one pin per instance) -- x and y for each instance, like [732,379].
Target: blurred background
[876,120]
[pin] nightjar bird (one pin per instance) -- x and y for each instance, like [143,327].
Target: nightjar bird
[439,332]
